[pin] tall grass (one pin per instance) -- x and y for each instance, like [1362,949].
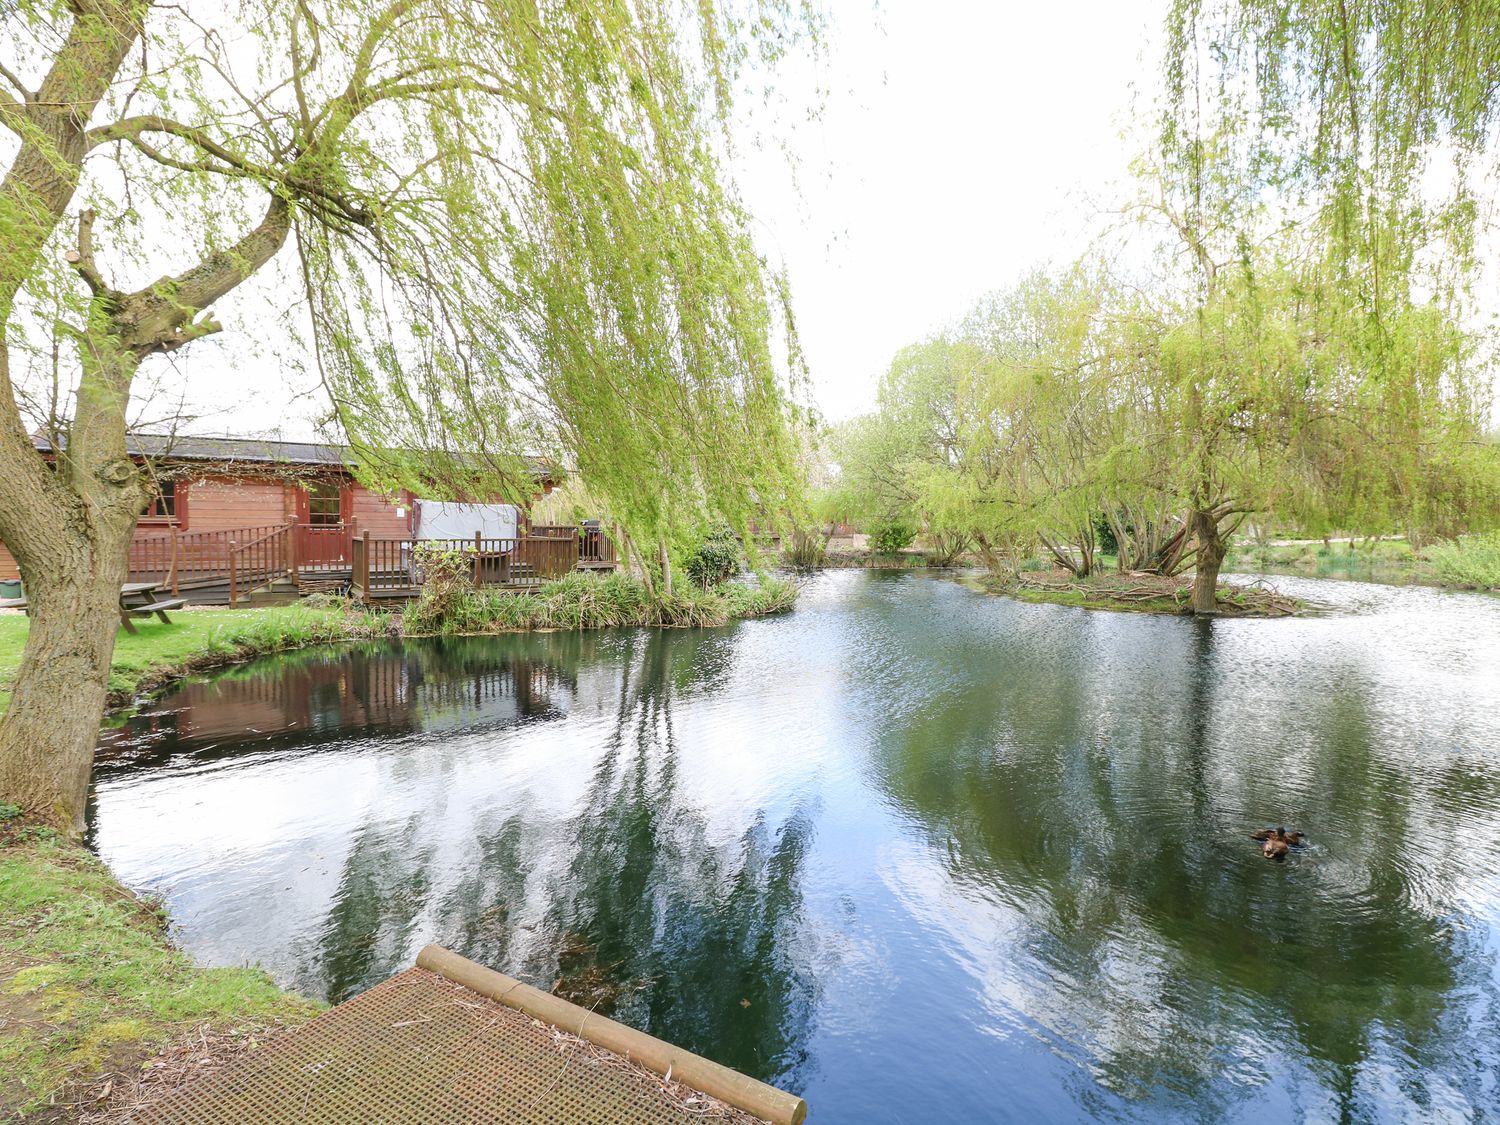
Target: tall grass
[584,601]
[1472,561]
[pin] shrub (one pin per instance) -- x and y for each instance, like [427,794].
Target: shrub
[716,559]
[447,586]
[1471,561]
[890,537]
[585,601]
[805,548]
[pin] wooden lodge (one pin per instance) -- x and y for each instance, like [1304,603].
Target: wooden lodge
[239,520]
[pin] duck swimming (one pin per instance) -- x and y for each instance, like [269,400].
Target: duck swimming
[1277,842]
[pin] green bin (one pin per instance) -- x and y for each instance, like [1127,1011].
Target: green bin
[10,587]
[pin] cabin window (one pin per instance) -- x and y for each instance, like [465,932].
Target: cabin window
[162,506]
[324,505]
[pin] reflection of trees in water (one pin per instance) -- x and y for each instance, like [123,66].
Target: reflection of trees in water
[381,894]
[701,937]
[1107,816]
[683,927]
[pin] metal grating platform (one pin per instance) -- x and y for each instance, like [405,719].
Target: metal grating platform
[420,1049]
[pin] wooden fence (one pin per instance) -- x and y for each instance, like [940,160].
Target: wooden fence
[329,547]
[595,549]
[248,558]
[393,568]
[193,559]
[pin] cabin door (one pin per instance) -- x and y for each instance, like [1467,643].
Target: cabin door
[323,525]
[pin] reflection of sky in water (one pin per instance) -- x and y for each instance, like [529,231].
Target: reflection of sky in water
[968,859]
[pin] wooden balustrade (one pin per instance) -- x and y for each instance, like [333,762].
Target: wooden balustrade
[387,568]
[188,559]
[259,561]
[248,558]
[327,547]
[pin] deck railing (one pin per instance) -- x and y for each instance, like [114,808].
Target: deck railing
[385,568]
[184,560]
[259,561]
[594,547]
[324,547]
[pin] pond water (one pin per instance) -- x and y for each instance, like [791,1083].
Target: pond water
[913,852]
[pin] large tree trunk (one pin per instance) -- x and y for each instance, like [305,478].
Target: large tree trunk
[47,734]
[1207,561]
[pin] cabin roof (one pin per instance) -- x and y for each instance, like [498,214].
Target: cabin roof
[188,448]
[185,447]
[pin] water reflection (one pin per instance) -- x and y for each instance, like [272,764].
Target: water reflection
[680,930]
[902,849]
[1097,842]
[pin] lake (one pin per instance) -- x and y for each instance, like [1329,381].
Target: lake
[916,853]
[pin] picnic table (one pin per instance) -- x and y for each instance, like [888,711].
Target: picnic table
[137,599]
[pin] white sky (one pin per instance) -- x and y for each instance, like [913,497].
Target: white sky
[960,144]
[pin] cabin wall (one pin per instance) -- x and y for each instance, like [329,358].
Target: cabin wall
[228,503]
[383,519]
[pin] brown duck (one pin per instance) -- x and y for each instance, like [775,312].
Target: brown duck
[1277,842]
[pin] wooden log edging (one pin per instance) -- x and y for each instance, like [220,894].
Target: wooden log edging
[738,1090]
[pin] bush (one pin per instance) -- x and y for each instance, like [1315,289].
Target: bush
[447,586]
[1471,561]
[716,559]
[889,538]
[946,548]
[805,548]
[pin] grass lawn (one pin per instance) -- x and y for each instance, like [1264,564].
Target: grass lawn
[195,637]
[89,986]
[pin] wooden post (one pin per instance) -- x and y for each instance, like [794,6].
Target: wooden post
[292,569]
[364,565]
[173,574]
[233,568]
[478,566]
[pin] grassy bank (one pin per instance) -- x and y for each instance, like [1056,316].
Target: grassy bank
[582,601]
[195,640]
[90,989]
[1134,593]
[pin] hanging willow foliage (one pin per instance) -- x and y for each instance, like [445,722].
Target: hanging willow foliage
[589,289]
[1379,113]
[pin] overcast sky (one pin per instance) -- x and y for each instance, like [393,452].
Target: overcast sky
[960,143]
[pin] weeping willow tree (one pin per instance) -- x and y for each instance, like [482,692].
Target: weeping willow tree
[1370,124]
[511,226]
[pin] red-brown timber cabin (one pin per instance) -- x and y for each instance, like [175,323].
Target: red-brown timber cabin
[227,496]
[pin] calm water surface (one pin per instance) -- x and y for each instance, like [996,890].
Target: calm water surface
[966,859]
